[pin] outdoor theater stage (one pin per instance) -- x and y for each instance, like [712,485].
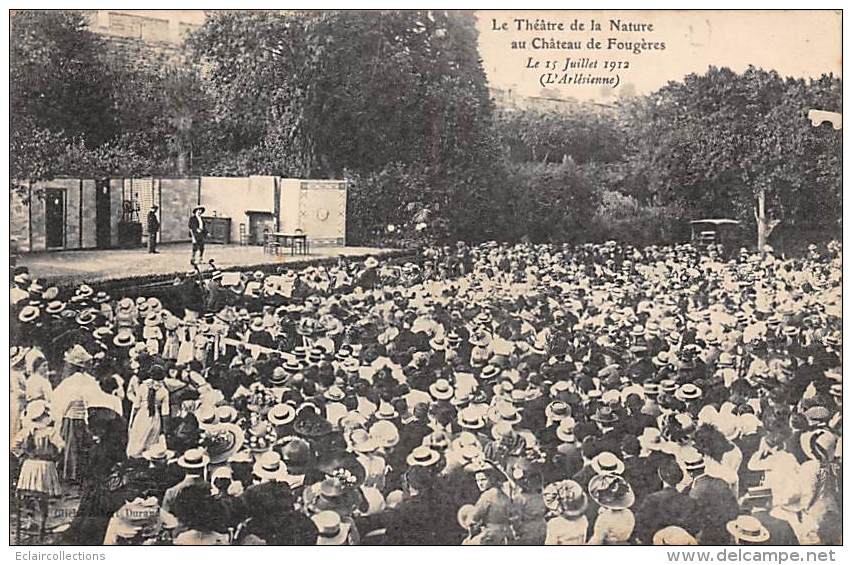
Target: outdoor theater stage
[99,265]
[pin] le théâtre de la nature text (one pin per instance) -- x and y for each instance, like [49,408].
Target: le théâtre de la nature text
[568,51]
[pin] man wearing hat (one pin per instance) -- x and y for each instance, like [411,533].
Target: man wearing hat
[194,463]
[198,233]
[712,495]
[758,502]
[153,229]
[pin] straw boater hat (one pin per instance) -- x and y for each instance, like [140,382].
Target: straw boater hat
[102,333]
[558,410]
[197,208]
[471,418]
[606,462]
[611,491]
[462,397]
[748,529]
[422,456]
[453,339]
[504,412]
[651,389]
[350,365]
[292,366]
[818,445]
[441,390]
[691,459]
[438,440]
[207,416]
[256,325]
[316,354]
[331,530]
[386,411]
[195,458]
[278,377]
[725,360]
[153,319]
[125,305]
[604,415]
[465,440]
[438,343]
[124,338]
[688,392]
[159,451]
[28,314]
[85,317]
[269,466]
[565,430]
[55,307]
[334,394]
[668,386]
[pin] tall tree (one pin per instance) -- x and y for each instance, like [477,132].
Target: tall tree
[57,77]
[739,144]
[319,92]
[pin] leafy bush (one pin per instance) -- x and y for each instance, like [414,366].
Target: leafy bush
[620,217]
[549,202]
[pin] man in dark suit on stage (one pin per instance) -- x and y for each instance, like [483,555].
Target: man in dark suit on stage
[153,229]
[198,232]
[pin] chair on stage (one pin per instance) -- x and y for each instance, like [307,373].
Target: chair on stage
[299,243]
[270,244]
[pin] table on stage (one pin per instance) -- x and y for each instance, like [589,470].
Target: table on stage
[292,239]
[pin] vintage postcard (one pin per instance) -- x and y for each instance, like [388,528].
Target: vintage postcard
[425,277]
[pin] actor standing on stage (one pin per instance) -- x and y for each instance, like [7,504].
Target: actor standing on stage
[198,232]
[153,229]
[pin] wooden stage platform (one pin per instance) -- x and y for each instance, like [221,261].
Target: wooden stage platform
[113,265]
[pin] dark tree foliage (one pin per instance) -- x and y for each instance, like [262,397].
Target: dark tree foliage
[721,142]
[314,93]
[57,77]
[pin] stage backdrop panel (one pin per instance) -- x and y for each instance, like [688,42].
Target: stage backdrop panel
[317,207]
[177,198]
[232,197]
[89,215]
